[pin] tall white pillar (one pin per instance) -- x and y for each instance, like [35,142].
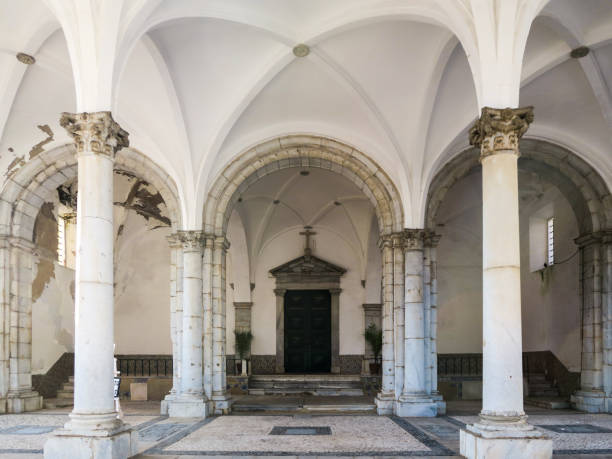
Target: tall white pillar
[386,397]
[593,265]
[607,317]
[191,402]
[502,430]
[220,396]
[414,400]
[208,319]
[431,241]
[94,429]
[176,325]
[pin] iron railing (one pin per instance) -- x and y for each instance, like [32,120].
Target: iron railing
[144,365]
[463,365]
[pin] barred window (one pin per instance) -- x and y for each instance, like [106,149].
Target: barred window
[550,239]
[61,240]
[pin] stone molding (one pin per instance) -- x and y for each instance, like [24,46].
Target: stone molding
[246,305]
[95,132]
[597,237]
[500,129]
[431,239]
[409,239]
[374,308]
[220,242]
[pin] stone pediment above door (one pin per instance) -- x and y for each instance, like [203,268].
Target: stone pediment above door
[307,269]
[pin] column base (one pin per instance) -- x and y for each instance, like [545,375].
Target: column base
[102,444]
[515,440]
[222,404]
[440,403]
[591,401]
[24,401]
[384,403]
[165,403]
[183,407]
[415,407]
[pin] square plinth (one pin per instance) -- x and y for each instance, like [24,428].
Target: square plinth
[531,444]
[118,445]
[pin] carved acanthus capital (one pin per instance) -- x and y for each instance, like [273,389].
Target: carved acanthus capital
[189,240]
[96,132]
[414,239]
[500,129]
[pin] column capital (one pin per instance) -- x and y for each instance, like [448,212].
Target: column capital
[95,132]
[431,239]
[596,237]
[499,129]
[247,305]
[188,240]
[413,238]
[221,242]
[335,291]
[280,291]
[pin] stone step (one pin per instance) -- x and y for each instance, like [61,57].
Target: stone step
[68,386]
[306,391]
[292,405]
[65,394]
[307,386]
[552,403]
[52,403]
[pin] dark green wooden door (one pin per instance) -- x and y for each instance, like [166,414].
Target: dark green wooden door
[307,331]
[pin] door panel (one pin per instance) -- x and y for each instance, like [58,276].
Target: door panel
[307,331]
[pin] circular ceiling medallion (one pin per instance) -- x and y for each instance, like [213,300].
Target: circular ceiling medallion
[579,52]
[304,173]
[301,50]
[25,58]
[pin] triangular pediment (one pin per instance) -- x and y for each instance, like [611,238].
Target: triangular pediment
[308,265]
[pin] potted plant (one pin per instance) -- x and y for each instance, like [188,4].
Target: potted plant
[243,347]
[374,336]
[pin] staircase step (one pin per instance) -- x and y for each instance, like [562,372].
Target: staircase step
[68,386]
[552,403]
[66,394]
[320,385]
[52,403]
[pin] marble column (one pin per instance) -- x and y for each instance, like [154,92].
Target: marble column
[591,397]
[607,317]
[208,318]
[386,397]
[397,241]
[502,430]
[414,399]
[431,242]
[220,396]
[94,429]
[280,330]
[20,395]
[176,325]
[191,402]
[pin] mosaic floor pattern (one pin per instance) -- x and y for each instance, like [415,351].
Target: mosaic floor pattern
[574,434]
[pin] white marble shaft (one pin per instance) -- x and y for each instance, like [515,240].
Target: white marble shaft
[607,319]
[502,429]
[97,138]
[594,393]
[414,338]
[398,312]
[386,396]
[220,396]
[208,318]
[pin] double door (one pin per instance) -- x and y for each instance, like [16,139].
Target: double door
[307,331]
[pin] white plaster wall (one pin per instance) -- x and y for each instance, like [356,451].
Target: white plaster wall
[53,319]
[286,246]
[551,317]
[142,288]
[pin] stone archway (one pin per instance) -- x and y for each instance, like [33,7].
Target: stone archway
[24,193]
[591,202]
[303,151]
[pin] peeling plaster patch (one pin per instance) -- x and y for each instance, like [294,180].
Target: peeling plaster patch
[145,201]
[18,161]
[45,228]
[38,148]
[45,272]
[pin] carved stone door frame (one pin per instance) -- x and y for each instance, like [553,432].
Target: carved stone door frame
[308,273]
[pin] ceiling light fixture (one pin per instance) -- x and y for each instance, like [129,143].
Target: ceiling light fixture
[304,173]
[579,52]
[276,201]
[301,50]
[25,58]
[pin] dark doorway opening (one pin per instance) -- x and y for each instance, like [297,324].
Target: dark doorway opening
[307,331]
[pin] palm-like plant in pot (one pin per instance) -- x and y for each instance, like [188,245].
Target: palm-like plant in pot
[374,336]
[243,347]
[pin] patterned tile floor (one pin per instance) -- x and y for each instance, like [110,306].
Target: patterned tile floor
[575,434]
